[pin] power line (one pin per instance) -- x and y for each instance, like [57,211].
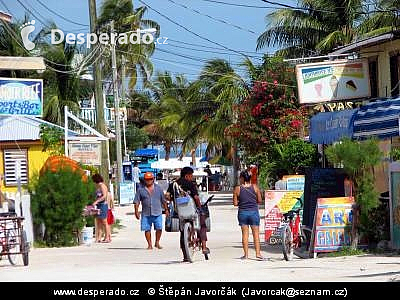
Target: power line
[213,18]
[62,17]
[5,6]
[209,51]
[188,30]
[210,47]
[235,4]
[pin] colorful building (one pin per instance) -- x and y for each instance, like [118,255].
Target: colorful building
[21,151]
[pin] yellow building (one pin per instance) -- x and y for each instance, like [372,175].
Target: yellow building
[21,153]
[383,54]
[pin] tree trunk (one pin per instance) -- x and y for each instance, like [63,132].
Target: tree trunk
[193,154]
[235,164]
[167,147]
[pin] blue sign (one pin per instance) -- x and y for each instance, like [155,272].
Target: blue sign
[21,97]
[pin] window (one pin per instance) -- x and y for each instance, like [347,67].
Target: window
[394,75]
[14,160]
[373,77]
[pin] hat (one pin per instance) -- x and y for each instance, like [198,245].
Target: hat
[148,175]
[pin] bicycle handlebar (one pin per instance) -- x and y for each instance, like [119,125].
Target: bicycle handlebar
[208,200]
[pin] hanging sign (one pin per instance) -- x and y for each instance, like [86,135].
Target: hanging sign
[333,80]
[22,97]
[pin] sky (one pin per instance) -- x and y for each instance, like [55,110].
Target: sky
[195,30]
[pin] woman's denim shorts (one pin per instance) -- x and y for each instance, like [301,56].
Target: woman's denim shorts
[249,217]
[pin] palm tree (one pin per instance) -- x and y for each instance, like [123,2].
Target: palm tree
[385,18]
[11,44]
[316,24]
[62,81]
[169,109]
[128,19]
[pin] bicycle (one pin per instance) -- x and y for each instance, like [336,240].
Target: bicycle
[13,238]
[189,221]
[296,238]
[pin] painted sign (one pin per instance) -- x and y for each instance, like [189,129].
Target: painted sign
[332,80]
[332,223]
[395,204]
[294,182]
[278,202]
[22,97]
[85,153]
[126,192]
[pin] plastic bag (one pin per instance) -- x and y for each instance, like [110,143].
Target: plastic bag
[110,217]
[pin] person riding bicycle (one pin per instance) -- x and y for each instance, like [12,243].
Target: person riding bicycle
[186,183]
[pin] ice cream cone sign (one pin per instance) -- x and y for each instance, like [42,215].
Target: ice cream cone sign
[334,86]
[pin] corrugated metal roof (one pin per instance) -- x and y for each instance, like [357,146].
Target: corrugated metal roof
[367,42]
[16,128]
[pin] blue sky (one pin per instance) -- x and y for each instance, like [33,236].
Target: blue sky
[186,52]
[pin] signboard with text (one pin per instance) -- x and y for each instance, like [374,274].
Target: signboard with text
[23,97]
[332,224]
[85,153]
[126,192]
[278,202]
[333,80]
[294,182]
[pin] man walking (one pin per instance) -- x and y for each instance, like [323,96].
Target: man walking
[151,196]
[186,183]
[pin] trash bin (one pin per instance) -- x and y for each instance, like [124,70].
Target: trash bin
[87,236]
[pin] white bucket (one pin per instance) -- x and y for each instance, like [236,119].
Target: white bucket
[87,236]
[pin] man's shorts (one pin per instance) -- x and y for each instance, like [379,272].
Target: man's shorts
[249,217]
[147,221]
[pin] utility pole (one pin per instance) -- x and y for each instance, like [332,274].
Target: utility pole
[117,115]
[99,100]
[124,100]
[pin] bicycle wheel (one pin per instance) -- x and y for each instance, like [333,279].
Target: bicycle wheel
[287,243]
[13,246]
[307,232]
[189,240]
[25,248]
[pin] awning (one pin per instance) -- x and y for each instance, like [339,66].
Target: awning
[329,127]
[146,152]
[22,63]
[377,119]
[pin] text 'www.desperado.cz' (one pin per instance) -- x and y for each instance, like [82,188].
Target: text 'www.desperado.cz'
[169,291]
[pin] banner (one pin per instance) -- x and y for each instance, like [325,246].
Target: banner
[278,202]
[333,223]
[23,97]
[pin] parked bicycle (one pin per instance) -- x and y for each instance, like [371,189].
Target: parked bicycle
[13,239]
[296,238]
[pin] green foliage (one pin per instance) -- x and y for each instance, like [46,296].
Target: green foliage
[358,159]
[51,138]
[395,154]
[293,154]
[136,137]
[58,200]
[346,251]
